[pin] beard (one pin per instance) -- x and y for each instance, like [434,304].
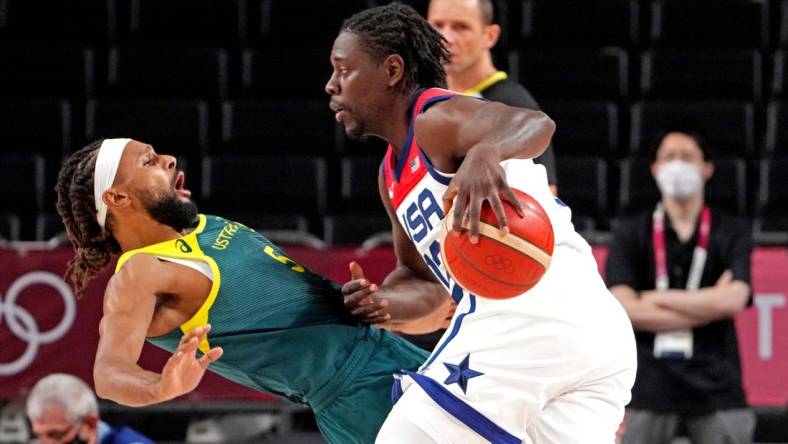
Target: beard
[168,209]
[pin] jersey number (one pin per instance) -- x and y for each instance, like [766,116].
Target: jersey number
[283,259]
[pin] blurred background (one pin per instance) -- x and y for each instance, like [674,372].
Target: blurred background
[234,88]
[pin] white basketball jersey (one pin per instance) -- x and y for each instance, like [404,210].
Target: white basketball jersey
[506,359]
[416,191]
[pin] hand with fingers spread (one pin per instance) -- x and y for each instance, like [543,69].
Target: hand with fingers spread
[360,298]
[480,178]
[184,370]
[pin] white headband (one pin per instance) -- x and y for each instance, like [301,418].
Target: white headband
[107,163]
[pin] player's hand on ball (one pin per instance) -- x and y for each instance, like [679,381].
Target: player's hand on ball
[360,298]
[480,178]
[184,371]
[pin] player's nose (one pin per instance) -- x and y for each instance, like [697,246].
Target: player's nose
[332,87]
[169,162]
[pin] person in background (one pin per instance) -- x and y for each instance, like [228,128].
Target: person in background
[682,272]
[470,32]
[63,409]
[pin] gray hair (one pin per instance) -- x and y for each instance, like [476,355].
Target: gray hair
[69,392]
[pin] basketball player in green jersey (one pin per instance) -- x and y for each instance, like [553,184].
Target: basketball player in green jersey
[219,288]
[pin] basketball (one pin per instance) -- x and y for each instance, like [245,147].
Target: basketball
[501,267]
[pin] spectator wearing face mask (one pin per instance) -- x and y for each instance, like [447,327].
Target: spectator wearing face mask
[682,272]
[63,410]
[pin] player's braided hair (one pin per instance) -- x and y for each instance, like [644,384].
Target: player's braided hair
[398,29]
[76,206]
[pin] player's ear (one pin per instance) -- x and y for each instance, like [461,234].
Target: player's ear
[116,198]
[395,69]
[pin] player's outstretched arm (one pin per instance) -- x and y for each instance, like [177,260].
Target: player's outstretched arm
[498,132]
[129,306]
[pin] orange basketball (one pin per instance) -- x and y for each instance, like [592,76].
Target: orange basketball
[501,267]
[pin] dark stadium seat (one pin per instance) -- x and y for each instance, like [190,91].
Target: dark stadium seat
[701,74]
[276,184]
[729,126]
[572,74]
[339,229]
[584,128]
[780,74]
[771,210]
[727,188]
[82,22]
[359,184]
[168,72]
[782,35]
[49,226]
[637,188]
[776,140]
[46,71]
[23,184]
[178,22]
[174,126]
[367,146]
[9,227]
[285,23]
[568,23]
[709,23]
[36,126]
[274,73]
[278,126]
[583,186]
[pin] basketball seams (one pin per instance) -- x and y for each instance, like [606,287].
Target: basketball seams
[469,263]
[514,242]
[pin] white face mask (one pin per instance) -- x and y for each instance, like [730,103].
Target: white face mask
[679,179]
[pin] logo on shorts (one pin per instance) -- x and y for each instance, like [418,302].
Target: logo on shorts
[460,374]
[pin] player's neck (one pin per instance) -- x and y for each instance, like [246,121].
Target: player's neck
[473,75]
[395,128]
[683,213]
[132,235]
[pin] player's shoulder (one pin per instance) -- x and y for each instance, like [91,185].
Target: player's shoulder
[142,270]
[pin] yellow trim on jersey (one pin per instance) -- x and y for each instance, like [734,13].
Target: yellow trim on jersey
[477,89]
[186,247]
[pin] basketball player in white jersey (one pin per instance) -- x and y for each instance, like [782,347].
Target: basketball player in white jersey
[554,365]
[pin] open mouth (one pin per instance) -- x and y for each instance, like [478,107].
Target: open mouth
[180,180]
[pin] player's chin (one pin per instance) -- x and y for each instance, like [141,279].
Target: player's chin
[354,130]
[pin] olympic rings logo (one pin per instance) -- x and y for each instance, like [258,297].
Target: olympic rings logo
[24,326]
[499,262]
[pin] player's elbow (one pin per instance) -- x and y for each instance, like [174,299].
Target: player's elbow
[542,128]
[104,379]
[102,382]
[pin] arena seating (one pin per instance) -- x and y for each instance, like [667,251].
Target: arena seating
[215,81]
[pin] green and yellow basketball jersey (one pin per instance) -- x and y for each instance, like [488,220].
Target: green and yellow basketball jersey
[283,328]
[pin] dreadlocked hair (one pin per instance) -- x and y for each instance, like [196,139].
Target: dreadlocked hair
[76,206]
[398,29]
